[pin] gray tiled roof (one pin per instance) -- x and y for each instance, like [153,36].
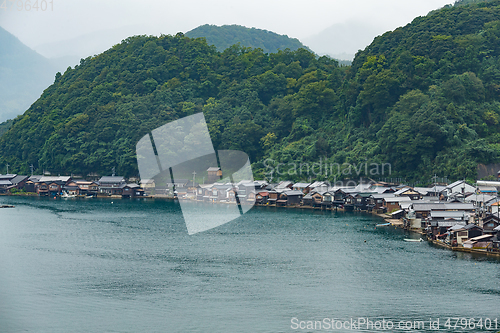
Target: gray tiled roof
[111,179]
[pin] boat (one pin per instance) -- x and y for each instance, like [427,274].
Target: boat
[383,224]
[413,240]
[66,195]
[7,206]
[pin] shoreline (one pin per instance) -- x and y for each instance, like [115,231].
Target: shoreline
[398,223]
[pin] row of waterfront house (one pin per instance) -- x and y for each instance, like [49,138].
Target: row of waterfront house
[457,214]
[55,186]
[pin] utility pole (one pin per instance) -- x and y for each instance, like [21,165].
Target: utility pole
[113,172]
[7,168]
[31,167]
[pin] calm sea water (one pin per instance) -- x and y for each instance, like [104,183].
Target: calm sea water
[129,266]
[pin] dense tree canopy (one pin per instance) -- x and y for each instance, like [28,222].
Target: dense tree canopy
[227,35]
[424,98]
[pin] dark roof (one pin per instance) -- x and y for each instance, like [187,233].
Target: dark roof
[288,193]
[7,177]
[111,179]
[130,185]
[470,226]
[213,169]
[4,182]
[35,178]
[365,195]
[17,179]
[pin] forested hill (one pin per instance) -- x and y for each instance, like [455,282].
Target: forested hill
[225,36]
[425,98]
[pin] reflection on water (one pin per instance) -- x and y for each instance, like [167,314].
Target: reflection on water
[129,266]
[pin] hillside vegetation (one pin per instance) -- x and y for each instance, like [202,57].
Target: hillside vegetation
[227,35]
[424,98]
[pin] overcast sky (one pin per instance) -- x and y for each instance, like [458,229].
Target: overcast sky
[299,19]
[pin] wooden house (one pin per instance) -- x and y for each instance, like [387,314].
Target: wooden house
[327,199]
[42,188]
[132,191]
[364,201]
[261,197]
[250,199]
[392,204]
[318,198]
[111,185]
[30,184]
[231,194]
[19,181]
[338,198]
[307,200]
[71,189]
[479,242]
[459,236]
[273,197]
[490,222]
[408,192]
[54,189]
[319,186]
[284,185]
[290,198]
[214,174]
[460,187]
[303,187]
[349,202]
[87,188]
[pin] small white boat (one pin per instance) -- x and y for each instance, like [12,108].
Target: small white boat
[66,195]
[382,224]
[413,240]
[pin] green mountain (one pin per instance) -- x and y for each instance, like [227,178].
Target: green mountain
[423,98]
[4,127]
[24,74]
[225,36]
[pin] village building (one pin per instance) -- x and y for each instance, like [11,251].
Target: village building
[214,174]
[364,201]
[458,187]
[489,223]
[460,235]
[261,197]
[111,185]
[289,198]
[319,186]
[87,188]
[392,204]
[479,242]
[303,187]
[408,192]
[132,191]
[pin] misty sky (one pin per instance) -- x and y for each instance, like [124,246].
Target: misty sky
[299,19]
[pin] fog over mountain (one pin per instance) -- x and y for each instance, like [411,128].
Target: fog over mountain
[24,74]
[343,40]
